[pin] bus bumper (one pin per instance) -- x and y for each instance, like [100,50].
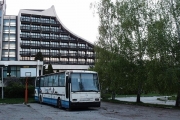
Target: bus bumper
[84,104]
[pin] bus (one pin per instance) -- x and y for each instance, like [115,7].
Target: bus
[69,89]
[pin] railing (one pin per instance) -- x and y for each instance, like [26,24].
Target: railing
[39,21]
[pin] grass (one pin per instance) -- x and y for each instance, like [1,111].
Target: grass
[15,100]
[172,97]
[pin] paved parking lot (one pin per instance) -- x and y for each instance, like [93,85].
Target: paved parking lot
[107,111]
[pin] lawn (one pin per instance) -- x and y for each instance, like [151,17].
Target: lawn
[15,100]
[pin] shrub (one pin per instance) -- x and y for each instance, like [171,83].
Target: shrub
[105,96]
[18,91]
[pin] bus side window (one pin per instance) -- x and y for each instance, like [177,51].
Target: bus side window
[42,82]
[50,81]
[62,79]
[55,82]
[45,81]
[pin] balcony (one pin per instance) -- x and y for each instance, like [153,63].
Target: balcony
[64,54]
[35,36]
[73,62]
[73,54]
[82,55]
[35,28]
[54,46]
[54,23]
[35,45]
[91,55]
[89,63]
[25,53]
[63,62]
[82,47]
[45,53]
[53,54]
[81,62]
[53,37]
[25,20]
[64,46]
[44,45]
[45,37]
[36,20]
[45,21]
[25,44]
[25,28]
[25,36]
[45,30]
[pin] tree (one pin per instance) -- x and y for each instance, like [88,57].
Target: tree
[39,56]
[50,69]
[138,46]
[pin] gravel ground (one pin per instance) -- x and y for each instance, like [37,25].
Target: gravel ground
[107,111]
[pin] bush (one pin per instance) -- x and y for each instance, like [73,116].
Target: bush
[105,96]
[18,91]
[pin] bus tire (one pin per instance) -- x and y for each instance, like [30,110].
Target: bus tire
[59,103]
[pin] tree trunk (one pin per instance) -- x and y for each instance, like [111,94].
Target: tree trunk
[138,100]
[113,95]
[178,99]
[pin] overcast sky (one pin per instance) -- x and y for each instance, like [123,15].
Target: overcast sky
[76,15]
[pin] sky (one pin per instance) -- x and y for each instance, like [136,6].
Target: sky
[76,15]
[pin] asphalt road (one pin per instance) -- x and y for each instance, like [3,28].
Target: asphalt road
[107,111]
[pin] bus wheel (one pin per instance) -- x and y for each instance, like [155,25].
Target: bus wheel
[59,103]
[40,99]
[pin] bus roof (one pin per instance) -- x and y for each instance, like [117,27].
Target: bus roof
[81,71]
[70,71]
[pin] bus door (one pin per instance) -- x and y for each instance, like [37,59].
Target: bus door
[37,89]
[67,89]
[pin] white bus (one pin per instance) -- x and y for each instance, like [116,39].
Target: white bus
[69,89]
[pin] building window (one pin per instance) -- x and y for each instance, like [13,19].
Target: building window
[12,29]
[5,45]
[5,37]
[12,59]
[6,22]
[12,37]
[5,29]
[12,45]
[12,22]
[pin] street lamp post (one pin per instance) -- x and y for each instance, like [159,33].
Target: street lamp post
[2,83]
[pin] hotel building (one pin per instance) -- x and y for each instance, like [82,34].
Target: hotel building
[33,31]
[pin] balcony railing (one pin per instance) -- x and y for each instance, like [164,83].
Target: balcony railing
[36,20]
[40,20]
[25,19]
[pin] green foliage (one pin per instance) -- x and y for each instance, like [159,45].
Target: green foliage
[172,98]
[39,56]
[138,46]
[15,87]
[50,69]
[18,91]
[105,96]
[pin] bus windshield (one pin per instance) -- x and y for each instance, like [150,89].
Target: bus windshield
[84,82]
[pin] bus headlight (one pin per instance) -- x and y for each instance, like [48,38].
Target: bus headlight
[96,99]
